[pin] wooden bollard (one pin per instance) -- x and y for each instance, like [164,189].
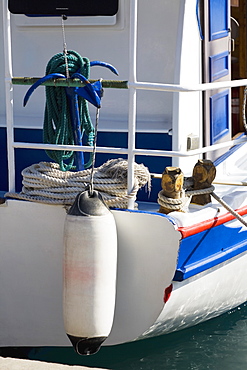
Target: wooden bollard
[172,185]
[203,175]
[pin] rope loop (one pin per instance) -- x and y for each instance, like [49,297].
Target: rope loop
[170,203]
[179,204]
[208,190]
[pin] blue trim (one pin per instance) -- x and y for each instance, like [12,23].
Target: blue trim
[218,19]
[202,251]
[218,66]
[199,19]
[219,116]
[230,151]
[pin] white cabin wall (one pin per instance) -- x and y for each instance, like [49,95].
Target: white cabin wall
[36,40]
[158,22]
[187,106]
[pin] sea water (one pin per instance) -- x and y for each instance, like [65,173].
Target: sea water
[220,343]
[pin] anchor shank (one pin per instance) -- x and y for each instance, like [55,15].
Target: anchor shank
[76,124]
[69,83]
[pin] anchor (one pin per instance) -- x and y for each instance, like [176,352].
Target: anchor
[92,92]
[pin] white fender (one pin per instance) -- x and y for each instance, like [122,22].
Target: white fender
[90,263]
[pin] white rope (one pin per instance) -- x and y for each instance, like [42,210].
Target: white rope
[171,203]
[178,204]
[208,190]
[45,183]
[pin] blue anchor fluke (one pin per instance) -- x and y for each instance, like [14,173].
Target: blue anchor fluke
[91,92]
[38,83]
[104,64]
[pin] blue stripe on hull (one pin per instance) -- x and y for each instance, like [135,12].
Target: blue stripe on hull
[206,249]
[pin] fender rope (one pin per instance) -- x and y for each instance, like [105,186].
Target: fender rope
[57,128]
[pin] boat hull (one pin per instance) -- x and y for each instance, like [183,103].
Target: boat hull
[31,267]
[203,297]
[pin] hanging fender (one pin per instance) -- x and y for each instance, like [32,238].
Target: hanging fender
[90,263]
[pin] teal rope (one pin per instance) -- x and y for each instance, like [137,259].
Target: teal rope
[57,128]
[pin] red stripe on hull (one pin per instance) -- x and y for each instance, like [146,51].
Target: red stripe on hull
[208,224]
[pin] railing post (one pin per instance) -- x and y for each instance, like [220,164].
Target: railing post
[9,95]
[132,98]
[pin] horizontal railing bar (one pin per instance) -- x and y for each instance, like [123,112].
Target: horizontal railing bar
[114,84]
[155,153]
[75,82]
[188,88]
[190,153]
[74,148]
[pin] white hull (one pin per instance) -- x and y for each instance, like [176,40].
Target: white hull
[203,297]
[32,282]
[31,278]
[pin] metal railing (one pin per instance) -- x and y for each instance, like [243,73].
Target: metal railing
[132,85]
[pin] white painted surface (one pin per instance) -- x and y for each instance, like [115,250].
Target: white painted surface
[187,107]
[31,263]
[31,260]
[90,268]
[235,167]
[203,297]
[147,258]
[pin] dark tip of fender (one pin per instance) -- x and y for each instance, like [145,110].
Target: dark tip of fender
[86,346]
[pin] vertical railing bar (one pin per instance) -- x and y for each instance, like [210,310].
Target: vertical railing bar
[132,98]
[9,95]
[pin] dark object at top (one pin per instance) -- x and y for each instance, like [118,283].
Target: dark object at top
[88,205]
[64,7]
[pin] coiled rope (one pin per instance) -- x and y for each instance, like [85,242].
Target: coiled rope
[179,204]
[57,128]
[46,183]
